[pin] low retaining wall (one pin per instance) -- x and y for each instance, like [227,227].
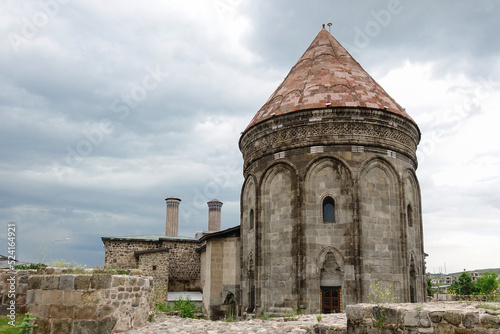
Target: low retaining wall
[13,287]
[427,318]
[98,303]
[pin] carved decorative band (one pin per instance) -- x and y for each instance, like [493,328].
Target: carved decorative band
[300,130]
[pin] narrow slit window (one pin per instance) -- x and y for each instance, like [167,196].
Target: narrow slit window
[154,268]
[328,210]
[251,219]
[409,215]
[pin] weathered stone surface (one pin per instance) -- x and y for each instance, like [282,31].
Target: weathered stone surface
[62,326]
[330,324]
[86,327]
[85,311]
[490,321]
[411,319]
[105,311]
[82,282]
[67,282]
[470,319]
[118,280]
[445,329]
[61,311]
[49,282]
[355,312]
[43,326]
[424,319]
[101,281]
[91,296]
[106,325]
[436,316]
[453,317]
[34,282]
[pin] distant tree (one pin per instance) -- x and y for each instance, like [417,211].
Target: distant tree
[487,283]
[464,285]
[430,290]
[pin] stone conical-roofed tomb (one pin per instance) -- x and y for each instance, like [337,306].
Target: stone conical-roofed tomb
[331,204]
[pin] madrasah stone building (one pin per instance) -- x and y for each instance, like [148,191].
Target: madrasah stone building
[330,205]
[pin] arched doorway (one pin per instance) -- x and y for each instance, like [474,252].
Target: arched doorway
[331,280]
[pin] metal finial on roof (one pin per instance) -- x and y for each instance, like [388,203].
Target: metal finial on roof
[329,26]
[323,26]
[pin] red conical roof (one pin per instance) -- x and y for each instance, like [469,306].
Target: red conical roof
[327,73]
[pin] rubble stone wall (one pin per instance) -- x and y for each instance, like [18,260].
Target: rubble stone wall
[98,303]
[438,318]
[13,287]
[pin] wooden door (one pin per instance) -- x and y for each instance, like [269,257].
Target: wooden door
[331,299]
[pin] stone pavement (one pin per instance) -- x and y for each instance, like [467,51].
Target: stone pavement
[330,324]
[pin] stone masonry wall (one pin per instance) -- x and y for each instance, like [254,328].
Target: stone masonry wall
[184,265]
[98,303]
[183,261]
[156,266]
[438,318]
[120,253]
[13,287]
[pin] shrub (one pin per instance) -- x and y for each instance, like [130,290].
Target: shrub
[186,307]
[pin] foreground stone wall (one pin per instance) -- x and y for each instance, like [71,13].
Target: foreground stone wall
[435,317]
[13,288]
[98,303]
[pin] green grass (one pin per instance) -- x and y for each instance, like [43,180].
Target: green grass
[489,307]
[5,328]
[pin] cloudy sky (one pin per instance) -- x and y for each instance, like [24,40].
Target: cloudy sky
[107,108]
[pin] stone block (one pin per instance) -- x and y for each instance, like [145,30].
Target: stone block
[460,330]
[39,311]
[470,320]
[66,282]
[453,317]
[82,282]
[393,316]
[91,297]
[436,316]
[34,282]
[20,299]
[85,312]
[445,329]
[49,282]
[118,280]
[62,326]
[61,311]
[101,281]
[354,313]
[122,325]
[43,326]
[72,297]
[30,296]
[106,325]
[54,297]
[490,321]
[105,311]
[424,320]
[86,327]
[411,319]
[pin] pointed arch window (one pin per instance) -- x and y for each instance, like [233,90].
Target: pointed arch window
[328,210]
[409,215]
[251,220]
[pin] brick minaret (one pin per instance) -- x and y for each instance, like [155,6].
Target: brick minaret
[172,224]
[214,212]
